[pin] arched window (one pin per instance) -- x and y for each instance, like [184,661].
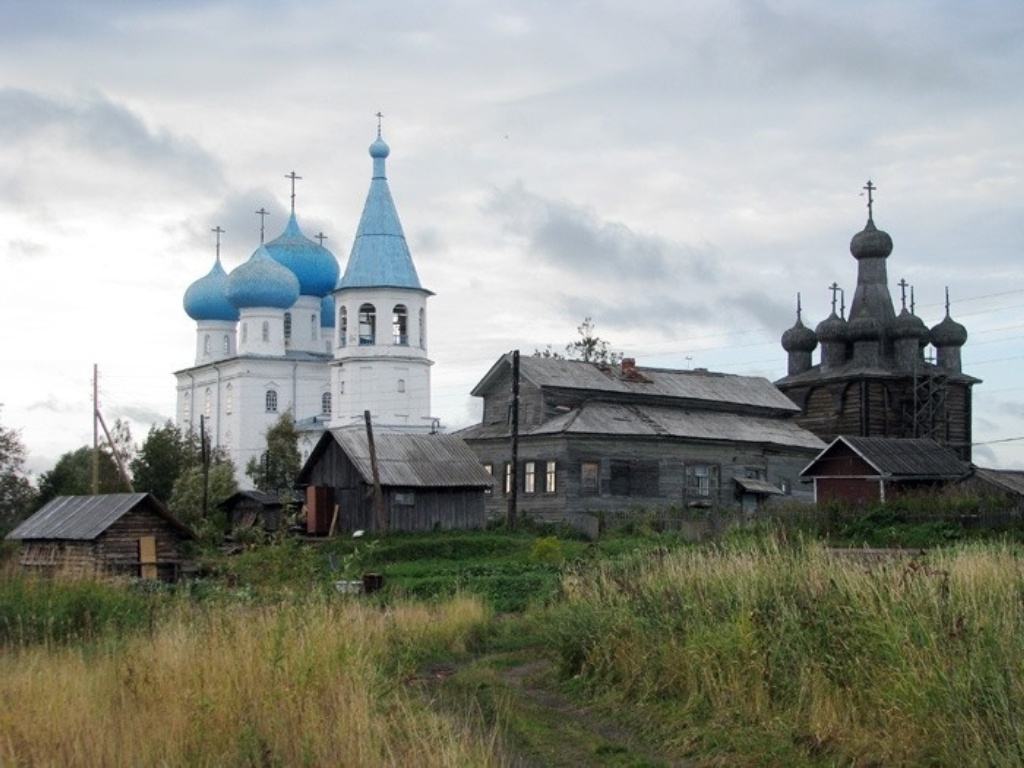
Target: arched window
[325,404]
[245,332]
[227,344]
[367,324]
[206,344]
[401,385]
[423,329]
[207,403]
[266,331]
[342,326]
[271,401]
[229,399]
[400,325]
[314,326]
[287,326]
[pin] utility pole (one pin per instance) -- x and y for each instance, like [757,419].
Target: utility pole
[204,456]
[513,512]
[378,499]
[95,430]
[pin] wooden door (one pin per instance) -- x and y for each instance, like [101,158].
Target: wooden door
[147,557]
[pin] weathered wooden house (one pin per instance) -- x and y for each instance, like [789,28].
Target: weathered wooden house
[596,437]
[130,534]
[425,481]
[873,378]
[866,470]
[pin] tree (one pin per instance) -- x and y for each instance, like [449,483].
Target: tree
[162,458]
[72,475]
[280,464]
[590,348]
[17,496]
[187,497]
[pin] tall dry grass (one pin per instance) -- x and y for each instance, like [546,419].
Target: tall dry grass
[289,685]
[782,650]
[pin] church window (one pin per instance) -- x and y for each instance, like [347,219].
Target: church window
[325,404]
[367,324]
[271,401]
[207,346]
[549,477]
[245,332]
[227,344]
[207,403]
[287,326]
[229,399]
[187,413]
[400,325]
[530,477]
[342,326]
[401,385]
[423,329]
[314,326]
[266,331]
[341,387]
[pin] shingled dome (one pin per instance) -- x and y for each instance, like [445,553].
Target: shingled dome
[948,333]
[871,243]
[832,328]
[799,338]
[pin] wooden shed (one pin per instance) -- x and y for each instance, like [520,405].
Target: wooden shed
[426,482]
[129,534]
[269,511]
[864,470]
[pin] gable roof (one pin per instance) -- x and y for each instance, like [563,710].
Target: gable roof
[626,420]
[697,387]
[83,518]
[1007,479]
[406,460]
[899,458]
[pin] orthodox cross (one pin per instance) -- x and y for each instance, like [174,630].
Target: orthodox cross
[835,290]
[293,177]
[947,301]
[911,299]
[870,189]
[218,232]
[262,213]
[903,291]
[379,116]
[842,303]
[320,236]
[798,307]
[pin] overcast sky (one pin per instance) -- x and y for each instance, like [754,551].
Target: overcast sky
[677,171]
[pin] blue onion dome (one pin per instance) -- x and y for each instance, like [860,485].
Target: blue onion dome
[864,328]
[205,299]
[832,328]
[327,311]
[799,338]
[379,148]
[262,282]
[314,265]
[948,333]
[909,326]
[871,242]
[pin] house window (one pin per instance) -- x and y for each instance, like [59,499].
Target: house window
[367,324]
[530,477]
[549,477]
[590,477]
[701,480]
[287,326]
[423,329]
[266,331]
[342,326]
[400,325]
[325,403]
[787,486]
[508,478]
[620,481]
[207,346]
[271,401]
[229,399]
[405,499]
[207,403]
[489,469]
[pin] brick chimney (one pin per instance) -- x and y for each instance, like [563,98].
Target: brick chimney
[628,366]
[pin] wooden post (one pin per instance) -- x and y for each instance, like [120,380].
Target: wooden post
[95,430]
[378,499]
[513,512]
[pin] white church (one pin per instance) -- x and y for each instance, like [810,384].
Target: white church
[282,333]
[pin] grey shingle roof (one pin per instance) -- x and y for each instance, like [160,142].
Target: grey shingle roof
[85,517]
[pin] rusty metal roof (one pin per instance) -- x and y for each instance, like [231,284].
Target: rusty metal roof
[86,517]
[697,386]
[900,457]
[414,461]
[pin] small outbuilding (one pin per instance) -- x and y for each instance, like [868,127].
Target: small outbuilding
[865,470]
[130,534]
[408,482]
[258,509]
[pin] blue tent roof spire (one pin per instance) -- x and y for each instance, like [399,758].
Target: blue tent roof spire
[380,255]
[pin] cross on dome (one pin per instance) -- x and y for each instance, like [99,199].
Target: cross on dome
[294,177]
[262,213]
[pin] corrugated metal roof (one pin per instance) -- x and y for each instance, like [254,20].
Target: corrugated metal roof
[83,517]
[614,419]
[901,457]
[415,461]
[700,386]
[1011,480]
